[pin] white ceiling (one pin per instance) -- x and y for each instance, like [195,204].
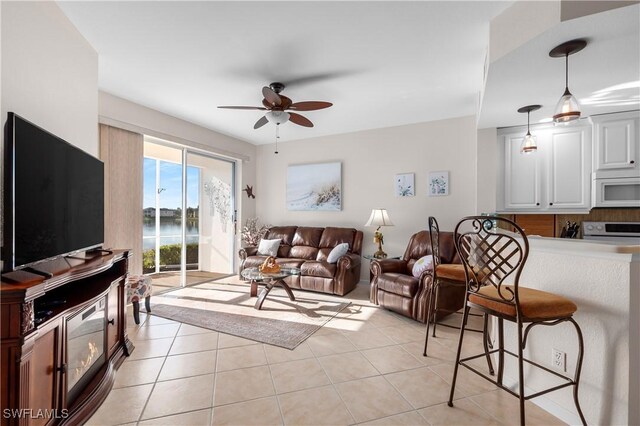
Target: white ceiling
[605,76]
[381,63]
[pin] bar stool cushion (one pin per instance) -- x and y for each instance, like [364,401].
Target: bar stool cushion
[451,272]
[535,304]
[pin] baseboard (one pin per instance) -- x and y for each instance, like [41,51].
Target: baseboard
[545,403]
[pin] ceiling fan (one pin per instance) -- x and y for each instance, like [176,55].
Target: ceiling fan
[280,108]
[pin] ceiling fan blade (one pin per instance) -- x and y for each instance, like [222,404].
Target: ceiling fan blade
[271,96]
[300,120]
[286,102]
[310,105]
[263,120]
[242,107]
[267,104]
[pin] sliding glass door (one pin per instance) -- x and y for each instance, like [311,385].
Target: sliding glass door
[213,183]
[188,215]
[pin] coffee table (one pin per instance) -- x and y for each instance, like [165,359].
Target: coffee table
[270,280]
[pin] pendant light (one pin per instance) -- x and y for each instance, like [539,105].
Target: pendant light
[529,144]
[568,108]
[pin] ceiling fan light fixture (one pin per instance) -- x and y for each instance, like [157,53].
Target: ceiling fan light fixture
[568,108]
[277,117]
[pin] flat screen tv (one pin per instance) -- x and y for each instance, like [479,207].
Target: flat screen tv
[54,197]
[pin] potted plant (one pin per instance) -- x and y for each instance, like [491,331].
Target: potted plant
[253,231]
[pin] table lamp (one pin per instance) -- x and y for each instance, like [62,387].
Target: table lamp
[379,217]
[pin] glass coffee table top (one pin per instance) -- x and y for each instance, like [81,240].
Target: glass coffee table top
[270,280]
[255,274]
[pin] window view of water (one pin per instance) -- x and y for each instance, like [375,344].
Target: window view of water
[170,232]
[163,195]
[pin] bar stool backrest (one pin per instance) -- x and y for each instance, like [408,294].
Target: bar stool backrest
[490,254]
[434,236]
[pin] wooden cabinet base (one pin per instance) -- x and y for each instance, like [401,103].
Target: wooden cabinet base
[62,339]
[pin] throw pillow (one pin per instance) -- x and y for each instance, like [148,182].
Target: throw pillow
[337,252]
[269,247]
[424,263]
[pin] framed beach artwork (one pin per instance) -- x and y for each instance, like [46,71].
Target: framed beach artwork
[404,185]
[314,187]
[438,184]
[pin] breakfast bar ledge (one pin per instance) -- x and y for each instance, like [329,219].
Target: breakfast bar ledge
[603,279]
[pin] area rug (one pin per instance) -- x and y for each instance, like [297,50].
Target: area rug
[229,309]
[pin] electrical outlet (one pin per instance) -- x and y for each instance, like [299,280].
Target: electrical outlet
[558,359]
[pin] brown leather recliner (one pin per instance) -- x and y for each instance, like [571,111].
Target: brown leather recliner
[307,248]
[395,288]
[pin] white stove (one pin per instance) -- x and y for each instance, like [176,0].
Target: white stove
[627,233]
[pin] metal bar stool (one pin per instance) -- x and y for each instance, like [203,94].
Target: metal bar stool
[489,256]
[448,275]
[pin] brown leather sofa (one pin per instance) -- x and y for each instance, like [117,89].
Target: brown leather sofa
[307,248]
[395,288]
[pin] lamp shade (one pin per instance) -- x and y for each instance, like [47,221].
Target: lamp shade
[567,109]
[379,217]
[529,144]
[277,117]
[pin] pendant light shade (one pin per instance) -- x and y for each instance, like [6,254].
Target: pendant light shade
[529,144]
[568,108]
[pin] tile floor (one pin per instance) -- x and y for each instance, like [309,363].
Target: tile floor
[364,367]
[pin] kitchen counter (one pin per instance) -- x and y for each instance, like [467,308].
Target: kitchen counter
[603,279]
[585,246]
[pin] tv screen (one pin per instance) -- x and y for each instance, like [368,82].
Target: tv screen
[57,195]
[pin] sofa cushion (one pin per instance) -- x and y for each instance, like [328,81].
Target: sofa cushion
[448,253]
[419,245]
[303,252]
[285,233]
[288,262]
[314,268]
[337,252]
[254,261]
[421,265]
[323,253]
[307,236]
[331,237]
[269,247]
[400,284]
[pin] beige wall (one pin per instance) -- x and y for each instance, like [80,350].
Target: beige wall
[49,74]
[521,22]
[487,170]
[370,159]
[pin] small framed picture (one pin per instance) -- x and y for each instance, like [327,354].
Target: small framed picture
[404,185]
[438,184]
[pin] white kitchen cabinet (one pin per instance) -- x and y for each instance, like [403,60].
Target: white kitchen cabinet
[522,179]
[556,178]
[616,149]
[568,158]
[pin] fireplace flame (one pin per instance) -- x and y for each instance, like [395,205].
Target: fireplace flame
[87,362]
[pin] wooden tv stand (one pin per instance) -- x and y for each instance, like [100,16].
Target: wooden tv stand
[36,317]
